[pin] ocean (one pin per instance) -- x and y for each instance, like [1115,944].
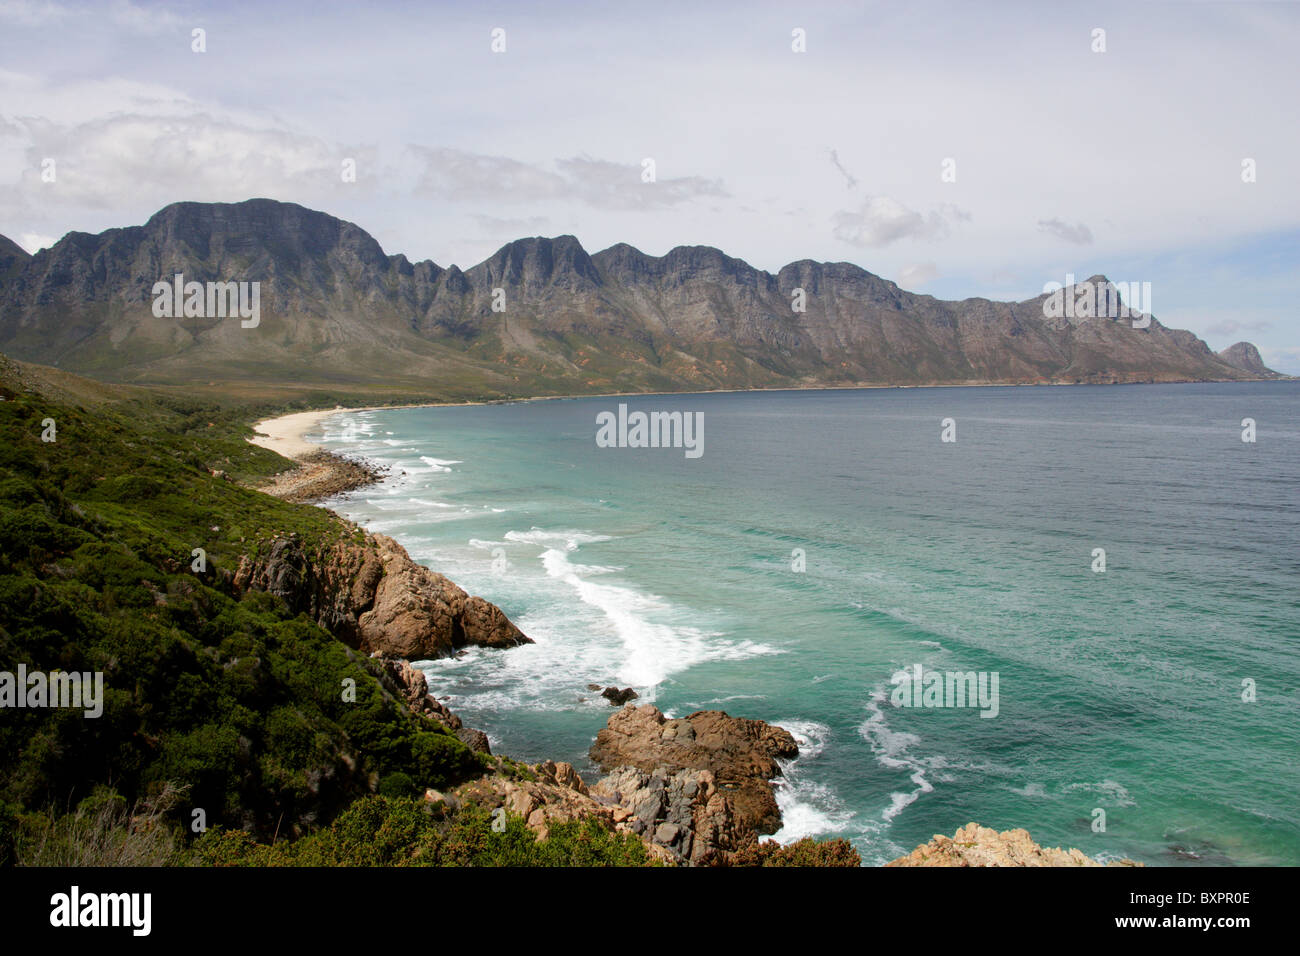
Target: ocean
[825,543]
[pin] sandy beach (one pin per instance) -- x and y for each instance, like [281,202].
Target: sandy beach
[285,434]
[317,473]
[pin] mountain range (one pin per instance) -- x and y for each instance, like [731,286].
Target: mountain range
[540,316]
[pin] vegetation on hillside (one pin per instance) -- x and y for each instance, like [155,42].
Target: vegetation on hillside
[230,699]
[232,732]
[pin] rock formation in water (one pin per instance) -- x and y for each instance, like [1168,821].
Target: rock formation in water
[974,845]
[697,791]
[740,755]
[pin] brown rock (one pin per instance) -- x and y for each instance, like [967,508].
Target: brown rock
[974,845]
[543,802]
[740,754]
[409,685]
[561,774]
[486,625]
[475,740]
[372,596]
[619,697]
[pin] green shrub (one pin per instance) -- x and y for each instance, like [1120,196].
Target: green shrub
[805,852]
[391,831]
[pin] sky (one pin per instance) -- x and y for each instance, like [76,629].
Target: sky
[959,149]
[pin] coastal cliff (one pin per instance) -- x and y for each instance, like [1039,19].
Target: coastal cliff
[369,594]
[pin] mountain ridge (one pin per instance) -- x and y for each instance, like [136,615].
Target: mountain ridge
[539,316]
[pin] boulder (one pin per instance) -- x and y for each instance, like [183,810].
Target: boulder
[619,697]
[729,800]
[974,845]
[475,740]
[372,596]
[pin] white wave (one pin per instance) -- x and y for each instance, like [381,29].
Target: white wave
[811,736]
[890,748]
[700,705]
[654,649]
[571,540]
[1115,792]
[437,464]
[808,807]
[595,569]
[1030,790]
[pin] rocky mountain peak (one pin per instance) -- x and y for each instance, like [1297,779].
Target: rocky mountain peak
[12,258]
[1245,356]
[282,230]
[538,262]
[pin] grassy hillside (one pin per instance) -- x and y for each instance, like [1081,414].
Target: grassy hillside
[216,706]
[231,700]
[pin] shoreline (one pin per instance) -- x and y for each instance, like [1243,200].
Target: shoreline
[286,434]
[291,429]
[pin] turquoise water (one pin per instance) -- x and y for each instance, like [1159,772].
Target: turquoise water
[1118,691]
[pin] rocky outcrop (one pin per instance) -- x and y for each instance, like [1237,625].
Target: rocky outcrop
[409,685]
[619,697]
[367,591]
[1246,357]
[739,754]
[321,474]
[681,811]
[12,259]
[554,794]
[974,845]
[695,790]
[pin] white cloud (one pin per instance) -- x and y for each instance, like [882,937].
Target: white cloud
[34,243]
[180,156]
[918,274]
[131,17]
[881,220]
[455,174]
[1233,326]
[140,19]
[32,13]
[1079,234]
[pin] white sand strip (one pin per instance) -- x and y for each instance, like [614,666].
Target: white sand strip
[285,433]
